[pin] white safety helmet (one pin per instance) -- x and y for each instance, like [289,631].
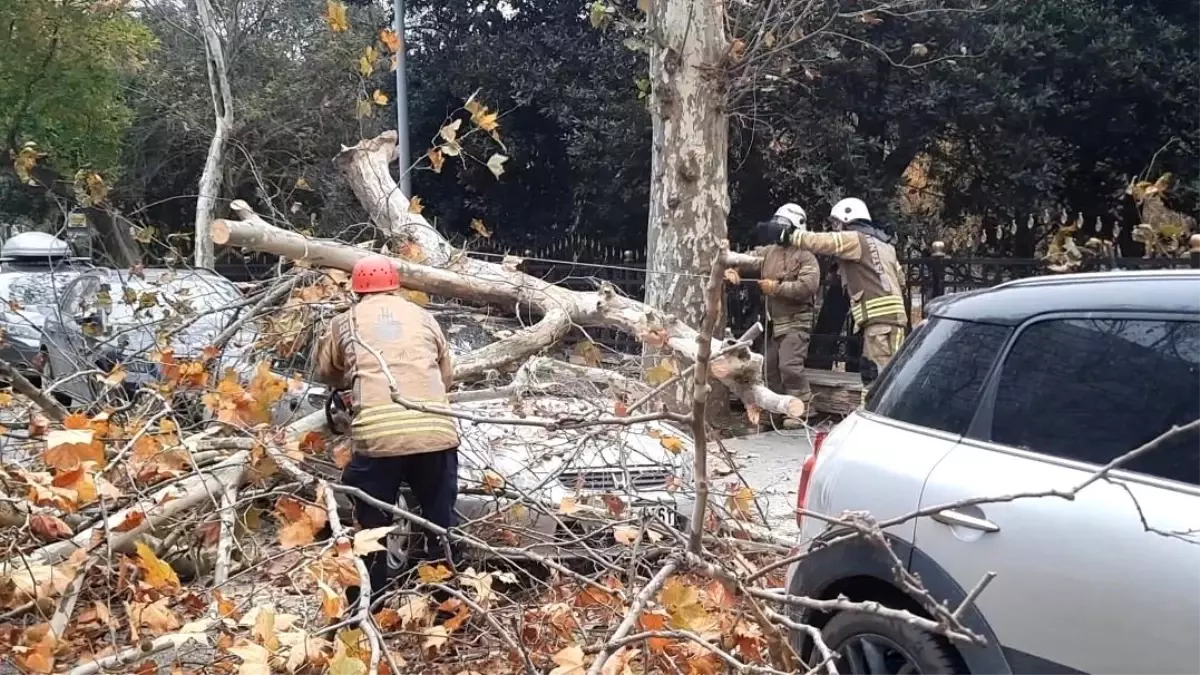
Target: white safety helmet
[793,215]
[850,209]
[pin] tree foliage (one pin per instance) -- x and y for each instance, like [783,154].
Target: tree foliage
[62,68]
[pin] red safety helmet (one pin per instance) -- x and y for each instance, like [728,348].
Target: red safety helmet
[374,274]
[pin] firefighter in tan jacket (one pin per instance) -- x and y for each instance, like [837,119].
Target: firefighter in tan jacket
[393,445]
[789,279]
[870,273]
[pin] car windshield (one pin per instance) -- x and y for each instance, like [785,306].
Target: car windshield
[189,304]
[38,290]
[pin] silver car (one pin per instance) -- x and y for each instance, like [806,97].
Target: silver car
[994,424]
[35,268]
[107,317]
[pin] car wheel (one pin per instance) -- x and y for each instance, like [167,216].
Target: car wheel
[868,644]
[403,536]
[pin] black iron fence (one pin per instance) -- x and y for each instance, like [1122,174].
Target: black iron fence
[580,265]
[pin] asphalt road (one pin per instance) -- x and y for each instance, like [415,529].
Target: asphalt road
[770,464]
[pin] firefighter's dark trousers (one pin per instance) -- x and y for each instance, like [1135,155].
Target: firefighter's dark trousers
[433,479]
[785,364]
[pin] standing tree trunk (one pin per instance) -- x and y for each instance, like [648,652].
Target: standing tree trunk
[689,190]
[210,179]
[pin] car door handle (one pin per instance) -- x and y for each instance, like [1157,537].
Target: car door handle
[960,519]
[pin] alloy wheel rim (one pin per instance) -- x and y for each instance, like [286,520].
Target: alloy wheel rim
[871,654]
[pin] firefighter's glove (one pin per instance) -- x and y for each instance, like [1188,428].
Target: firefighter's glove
[768,286]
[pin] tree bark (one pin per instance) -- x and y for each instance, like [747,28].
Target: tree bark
[210,179]
[469,279]
[365,165]
[689,189]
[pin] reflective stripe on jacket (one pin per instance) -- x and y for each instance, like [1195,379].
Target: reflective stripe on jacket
[870,273]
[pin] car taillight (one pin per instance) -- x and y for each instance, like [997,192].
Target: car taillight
[806,474]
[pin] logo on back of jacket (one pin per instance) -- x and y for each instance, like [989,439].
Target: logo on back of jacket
[387,325]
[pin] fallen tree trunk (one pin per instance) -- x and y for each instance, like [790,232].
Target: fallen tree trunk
[466,278]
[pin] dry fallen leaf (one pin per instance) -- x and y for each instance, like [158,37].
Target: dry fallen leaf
[49,528]
[255,658]
[571,661]
[435,637]
[492,482]
[732,276]
[367,541]
[624,534]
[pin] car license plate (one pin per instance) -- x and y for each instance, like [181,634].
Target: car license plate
[664,513]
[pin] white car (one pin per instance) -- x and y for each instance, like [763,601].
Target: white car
[1029,387]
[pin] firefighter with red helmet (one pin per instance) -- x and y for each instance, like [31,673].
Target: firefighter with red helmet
[393,445]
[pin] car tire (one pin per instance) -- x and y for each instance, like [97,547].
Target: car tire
[927,652]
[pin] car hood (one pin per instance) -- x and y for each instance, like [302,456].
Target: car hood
[532,457]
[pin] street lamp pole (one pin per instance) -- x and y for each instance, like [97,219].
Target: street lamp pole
[402,150]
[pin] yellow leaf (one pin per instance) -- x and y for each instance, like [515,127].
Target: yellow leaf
[366,61]
[159,574]
[436,159]
[481,116]
[415,205]
[419,298]
[390,40]
[302,184]
[683,606]
[363,109]
[481,229]
[6,399]
[333,603]
[663,371]
[570,661]
[673,444]
[740,502]
[379,97]
[25,160]
[588,352]
[433,574]
[367,541]
[90,189]
[335,16]
[144,235]
[496,164]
